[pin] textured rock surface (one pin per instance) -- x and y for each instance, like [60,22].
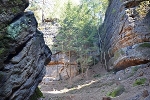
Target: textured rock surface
[11,9]
[59,67]
[125,34]
[23,52]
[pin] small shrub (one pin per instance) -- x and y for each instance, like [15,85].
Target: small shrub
[116,92]
[97,75]
[2,50]
[37,94]
[135,68]
[140,81]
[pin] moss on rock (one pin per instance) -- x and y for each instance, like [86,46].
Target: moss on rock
[37,94]
[146,44]
[2,50]
[1,76]
[140,81]
[118,53]
[116,92]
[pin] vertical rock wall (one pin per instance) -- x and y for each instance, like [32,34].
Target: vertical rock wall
[125,34]
[23,53]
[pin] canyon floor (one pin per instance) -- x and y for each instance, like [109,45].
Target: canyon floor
[98,84]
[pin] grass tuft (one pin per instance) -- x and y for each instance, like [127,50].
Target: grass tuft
[116,92]
[140,81]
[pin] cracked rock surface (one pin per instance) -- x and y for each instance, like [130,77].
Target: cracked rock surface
[23,53]
[125,34]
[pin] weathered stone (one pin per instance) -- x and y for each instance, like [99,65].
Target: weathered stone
[59,67]
[145,93]
[106,98]
[126,34]
[23,53]
[10,10]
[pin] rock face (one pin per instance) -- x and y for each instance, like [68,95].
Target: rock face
[125,34]
[23,53]
[59,68]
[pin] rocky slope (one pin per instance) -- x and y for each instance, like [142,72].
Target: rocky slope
[130,84]
[23,52]
[125,34]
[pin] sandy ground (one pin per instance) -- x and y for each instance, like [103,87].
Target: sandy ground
[98,84]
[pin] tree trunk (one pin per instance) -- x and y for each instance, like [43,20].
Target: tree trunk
[70,67]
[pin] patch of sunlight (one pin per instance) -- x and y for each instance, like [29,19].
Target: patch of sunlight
[65,90]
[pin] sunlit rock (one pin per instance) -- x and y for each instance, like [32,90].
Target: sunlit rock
[125,34]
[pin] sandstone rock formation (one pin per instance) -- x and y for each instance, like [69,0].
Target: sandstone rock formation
[23,52]
[59,68]
[125,34]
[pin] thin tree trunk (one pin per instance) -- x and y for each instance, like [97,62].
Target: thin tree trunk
[58,75]
[70,67]
[106,67]
[87,72]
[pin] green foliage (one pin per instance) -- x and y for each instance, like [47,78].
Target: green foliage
[15,28]
[37,94]
[2,50]
[79,24]
[145,45]
[78,28]
[97,75]
[1,75]
[17,1]
[118,53]
[114,10]
[116,92]
[143,8]
[135,68]
[140,81]
[14,10]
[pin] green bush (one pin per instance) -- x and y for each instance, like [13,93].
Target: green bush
[139,81]
[37,94]
[97,75]
[116,92]
[2,50]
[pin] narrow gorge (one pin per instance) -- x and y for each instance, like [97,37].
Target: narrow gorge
[74,50]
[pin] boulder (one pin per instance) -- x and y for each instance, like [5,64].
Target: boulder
[125,34]
[23,53]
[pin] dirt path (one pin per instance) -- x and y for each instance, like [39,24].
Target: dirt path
[98,86]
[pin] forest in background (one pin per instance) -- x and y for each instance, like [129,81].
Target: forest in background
[79,23]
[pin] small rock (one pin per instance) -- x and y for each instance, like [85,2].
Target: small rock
[141,73]
[145,93]
[106,98]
